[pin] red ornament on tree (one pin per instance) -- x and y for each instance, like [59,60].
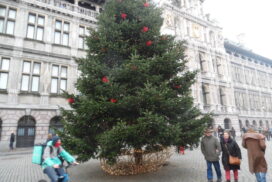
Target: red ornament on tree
[71,100]
[123,16]
[177,86]
[113,100]
[149,43]
[105,79]
[145,29]
[146,4]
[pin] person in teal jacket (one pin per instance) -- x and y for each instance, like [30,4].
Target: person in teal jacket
[52,163]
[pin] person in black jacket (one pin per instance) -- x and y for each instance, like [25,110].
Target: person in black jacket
[229,146]
[11,141]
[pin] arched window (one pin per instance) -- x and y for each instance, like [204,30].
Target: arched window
[267,124]
[227,123]
[55,124]
[261,123]
[254,123]
[26,132]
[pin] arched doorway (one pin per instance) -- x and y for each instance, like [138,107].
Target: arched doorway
[261,123]
[26,132]
[240,124]
[247,123]
[55,124]
[227,123]
[254,123]
[267,124]
[0,128]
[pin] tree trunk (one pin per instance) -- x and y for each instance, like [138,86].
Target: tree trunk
[138,156]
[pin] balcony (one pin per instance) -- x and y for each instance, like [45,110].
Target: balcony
[65,6]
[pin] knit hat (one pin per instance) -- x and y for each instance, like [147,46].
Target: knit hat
[55,139]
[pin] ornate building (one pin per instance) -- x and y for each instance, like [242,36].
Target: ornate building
[39,40]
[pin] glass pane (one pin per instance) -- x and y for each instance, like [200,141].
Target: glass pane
[55,71]
[25,82]
[26,67]
[30,32]
[35,83]
[3,80]
[66,27]
[41,20]
[58,25]
[31,18]
[81,30]
[12,13]
[40,33]
[63,84]
[87,33]
[54,85]
[5,64]
[10,27]
[36,68]
[81,42]
[63,72]
[31,131]
[1,25]
[21,131]
[2,11]
[57,37]
[65,39]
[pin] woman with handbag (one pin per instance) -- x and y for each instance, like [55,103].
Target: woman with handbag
[231,156]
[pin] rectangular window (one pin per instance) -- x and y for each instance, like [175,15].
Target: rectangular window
[58,79]
[7,20]
[31,76]
[4,70]
[83,32]
[35,27]
[62,30]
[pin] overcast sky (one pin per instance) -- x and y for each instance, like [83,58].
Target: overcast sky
[253,18]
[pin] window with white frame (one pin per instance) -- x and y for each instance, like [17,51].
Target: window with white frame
[31,76]
[83,32]
[61,32]
[58,79]
[7,20]
[35,26]
[4,71]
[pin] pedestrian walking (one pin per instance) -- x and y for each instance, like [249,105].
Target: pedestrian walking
[211,149]
[11,141]
[266,133]
[49,137]
[233,133]
[255,144]
[230,148]
[220,131]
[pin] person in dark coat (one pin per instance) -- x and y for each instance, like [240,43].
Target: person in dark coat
[230,147]
[220,132]
[11,141]
[233,133]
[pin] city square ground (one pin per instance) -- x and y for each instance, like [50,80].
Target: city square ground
[17,167]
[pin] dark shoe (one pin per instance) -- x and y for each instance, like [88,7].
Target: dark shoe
[219,180]
[210,180]
[236,180]
[228,181]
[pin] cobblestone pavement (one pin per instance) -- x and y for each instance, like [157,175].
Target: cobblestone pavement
[191,167]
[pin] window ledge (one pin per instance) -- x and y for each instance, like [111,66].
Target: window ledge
[7,35]
[82,49]
[34,40]
[3,91]
[29,93]
[56,95]
[59,45]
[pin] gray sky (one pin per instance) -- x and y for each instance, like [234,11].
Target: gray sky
[253,18]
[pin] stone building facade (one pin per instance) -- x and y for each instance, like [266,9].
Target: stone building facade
[39,40]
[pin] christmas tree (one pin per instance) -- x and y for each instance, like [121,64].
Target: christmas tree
[134,88]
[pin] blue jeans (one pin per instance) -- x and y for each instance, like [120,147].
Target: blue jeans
[56,174]
[216,167]
[261,177]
